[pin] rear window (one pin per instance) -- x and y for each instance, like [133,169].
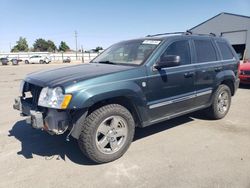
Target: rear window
[225,51]
[205,51]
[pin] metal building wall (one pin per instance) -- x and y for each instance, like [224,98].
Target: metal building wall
[230,24]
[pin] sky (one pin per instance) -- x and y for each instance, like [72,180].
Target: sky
[104,22]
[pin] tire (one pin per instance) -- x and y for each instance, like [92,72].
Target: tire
[41,61]
[26,62]
[99,139]
[221,103]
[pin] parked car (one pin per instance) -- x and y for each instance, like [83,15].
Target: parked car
[15,61]
[38,59]
[4,60]
[67,60]
[245,72]
[133,83]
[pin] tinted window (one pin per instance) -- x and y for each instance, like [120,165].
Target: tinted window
[225,50]
[205,51]
[180,48]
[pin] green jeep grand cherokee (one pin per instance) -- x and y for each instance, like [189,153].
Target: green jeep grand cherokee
[133,83]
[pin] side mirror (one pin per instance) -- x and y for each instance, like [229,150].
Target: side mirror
[168,61]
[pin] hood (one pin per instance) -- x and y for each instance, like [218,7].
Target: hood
[245,66]
[64,75]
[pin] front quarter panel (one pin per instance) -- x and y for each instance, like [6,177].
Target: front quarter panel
[127,84]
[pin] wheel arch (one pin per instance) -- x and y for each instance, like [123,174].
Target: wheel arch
[125,101]
[230,84]
[228,78]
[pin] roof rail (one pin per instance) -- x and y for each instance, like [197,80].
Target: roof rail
[203,34]
[188,32]
[213,34]
[162,34]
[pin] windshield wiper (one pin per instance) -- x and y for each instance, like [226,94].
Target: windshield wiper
[106,62]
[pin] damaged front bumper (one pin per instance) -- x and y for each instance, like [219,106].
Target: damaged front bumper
[50,120]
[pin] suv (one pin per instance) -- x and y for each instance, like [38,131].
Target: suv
[38,59]
[133,83]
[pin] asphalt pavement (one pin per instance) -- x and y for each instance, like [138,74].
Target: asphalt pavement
[189,151]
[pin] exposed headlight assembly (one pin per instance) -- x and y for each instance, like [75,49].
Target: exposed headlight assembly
[21,87]
[54,98]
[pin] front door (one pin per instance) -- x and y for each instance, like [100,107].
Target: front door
[171,89]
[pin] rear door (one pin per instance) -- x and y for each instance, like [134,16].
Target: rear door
[171,89]
[38,58]
[207,66]
[34,59]
[229,60]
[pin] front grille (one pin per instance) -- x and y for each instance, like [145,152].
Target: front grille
[247,72]
[34,92]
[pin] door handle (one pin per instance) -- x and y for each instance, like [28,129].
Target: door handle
[188,74]
[217,69]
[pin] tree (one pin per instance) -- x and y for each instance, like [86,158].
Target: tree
[21,45]
[63,46]
[98,48]
[42,45]
[51,46]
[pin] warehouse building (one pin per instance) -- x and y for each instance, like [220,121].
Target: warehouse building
[235,28]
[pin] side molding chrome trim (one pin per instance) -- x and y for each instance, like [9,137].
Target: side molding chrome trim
[179,99]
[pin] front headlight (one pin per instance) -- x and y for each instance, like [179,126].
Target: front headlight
[54,98]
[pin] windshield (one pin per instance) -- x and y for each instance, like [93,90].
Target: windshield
[133,52]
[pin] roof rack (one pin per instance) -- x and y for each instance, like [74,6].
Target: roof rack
[163,34]
[213,34]
[188,32]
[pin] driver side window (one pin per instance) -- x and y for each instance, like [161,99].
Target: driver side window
[179,48]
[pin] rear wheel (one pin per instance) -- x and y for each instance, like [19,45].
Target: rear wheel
[106,133]
[221,103]
[41,61]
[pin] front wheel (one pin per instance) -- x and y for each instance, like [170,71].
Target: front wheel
[221,103]
[106,133]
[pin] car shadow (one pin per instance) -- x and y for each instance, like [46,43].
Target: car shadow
[50,147]
[159,127]
[244,86]
[37,142]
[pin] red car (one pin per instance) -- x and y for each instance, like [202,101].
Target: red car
[245,73]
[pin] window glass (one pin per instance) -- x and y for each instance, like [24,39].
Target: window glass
[133,52]
[180,48]
[225,50]
[205,51]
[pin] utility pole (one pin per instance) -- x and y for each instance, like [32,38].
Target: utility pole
[10,47]
[76,43]
[82,55]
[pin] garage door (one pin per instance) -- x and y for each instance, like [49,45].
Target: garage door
[236,37]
